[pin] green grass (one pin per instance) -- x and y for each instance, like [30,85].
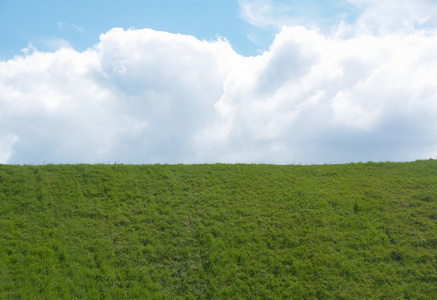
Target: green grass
[353,231]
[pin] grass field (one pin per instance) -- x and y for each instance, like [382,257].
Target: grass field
[352,231]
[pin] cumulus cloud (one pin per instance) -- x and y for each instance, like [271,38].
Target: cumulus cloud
[143,96]
[366,98]
[138,96]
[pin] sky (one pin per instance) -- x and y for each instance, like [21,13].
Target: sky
[243,81]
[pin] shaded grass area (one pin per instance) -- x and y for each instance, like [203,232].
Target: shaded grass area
[365,230]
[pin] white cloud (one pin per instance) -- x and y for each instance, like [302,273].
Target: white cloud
[274,14]
[7,141]
[394,15]
[263,14]
[138,96]
[78,27]
[142,96]
[64,25]
[354,16]
[367,98]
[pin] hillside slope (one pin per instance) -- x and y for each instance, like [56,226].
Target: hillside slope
[365,230]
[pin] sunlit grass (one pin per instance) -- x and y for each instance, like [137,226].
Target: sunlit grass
[365,230]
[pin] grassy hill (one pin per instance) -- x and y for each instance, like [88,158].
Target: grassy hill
[366,230]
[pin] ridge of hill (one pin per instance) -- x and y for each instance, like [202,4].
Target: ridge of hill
[237,231]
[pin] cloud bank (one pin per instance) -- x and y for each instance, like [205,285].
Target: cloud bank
[143,96]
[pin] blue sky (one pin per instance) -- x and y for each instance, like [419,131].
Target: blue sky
[264,81]
[47,24]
